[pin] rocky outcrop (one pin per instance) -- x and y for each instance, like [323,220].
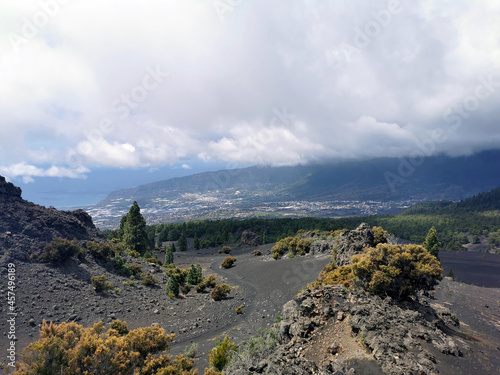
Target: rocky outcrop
[353,242]
[8,189]
[398,339]
[249,238]
[373,335]
[25,228]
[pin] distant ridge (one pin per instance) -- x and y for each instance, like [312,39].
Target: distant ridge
[237,192]
[489,201]
[437,177]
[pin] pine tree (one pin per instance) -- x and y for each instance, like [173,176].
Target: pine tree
[199,273]
[192,277]
[169,254]
[162,237]
[134,230]
[173,286]
[432,243]
[182,242]
[196,242]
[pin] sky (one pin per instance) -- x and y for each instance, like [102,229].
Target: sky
[100,95]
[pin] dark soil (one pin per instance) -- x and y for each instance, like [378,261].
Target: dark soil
[260,284]
[64,293]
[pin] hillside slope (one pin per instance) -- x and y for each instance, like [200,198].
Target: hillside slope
[25,227]
[273,190]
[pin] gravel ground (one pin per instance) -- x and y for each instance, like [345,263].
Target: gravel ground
[260,284]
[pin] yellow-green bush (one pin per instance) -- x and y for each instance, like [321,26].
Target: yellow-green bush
[220,355]
[120,327]
[224,250]
[149,280]
[395,270]
[69,348]
[379,235]
[100,283]
[228,262]
[220,292]
[292,246]
[209,282]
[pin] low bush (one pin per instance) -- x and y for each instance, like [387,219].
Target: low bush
[398,271]
[220,292]
[154,261]
[149,280]
[100,283]
[120,266]
[209,282]
[225,250]
[291,245]
[220,356]
[135,268]
[239,310]
[185,289]
[101,250]
[255,348]
[69,348]
[228,262]
[256,253]
[59,250]
[120,327]
[179,273]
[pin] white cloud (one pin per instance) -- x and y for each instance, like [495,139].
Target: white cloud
[84,81]
[27,172]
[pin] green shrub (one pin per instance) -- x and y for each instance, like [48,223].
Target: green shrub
[228,262]
[59,250]
[154,261]
[239,310]
[220,355]
[399,271]
[256,253]
[224,250]
[179,273]
[133,253]
[100,283]
[185,289]
[120,327]
[200,288]
[100,250]
[209,282]
[70,348]
[120,266]
[220,292]
[135,268]
[149,280]
[291,245]
[194,275]
[173,286]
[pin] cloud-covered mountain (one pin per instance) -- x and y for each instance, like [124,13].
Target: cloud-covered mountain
[232,193]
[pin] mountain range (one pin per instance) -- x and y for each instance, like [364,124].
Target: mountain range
[360,187]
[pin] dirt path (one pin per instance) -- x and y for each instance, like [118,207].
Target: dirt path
[266,285]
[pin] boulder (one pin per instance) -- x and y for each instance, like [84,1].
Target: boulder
[353,242]
[249,238]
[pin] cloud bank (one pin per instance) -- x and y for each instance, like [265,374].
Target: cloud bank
[130,85]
